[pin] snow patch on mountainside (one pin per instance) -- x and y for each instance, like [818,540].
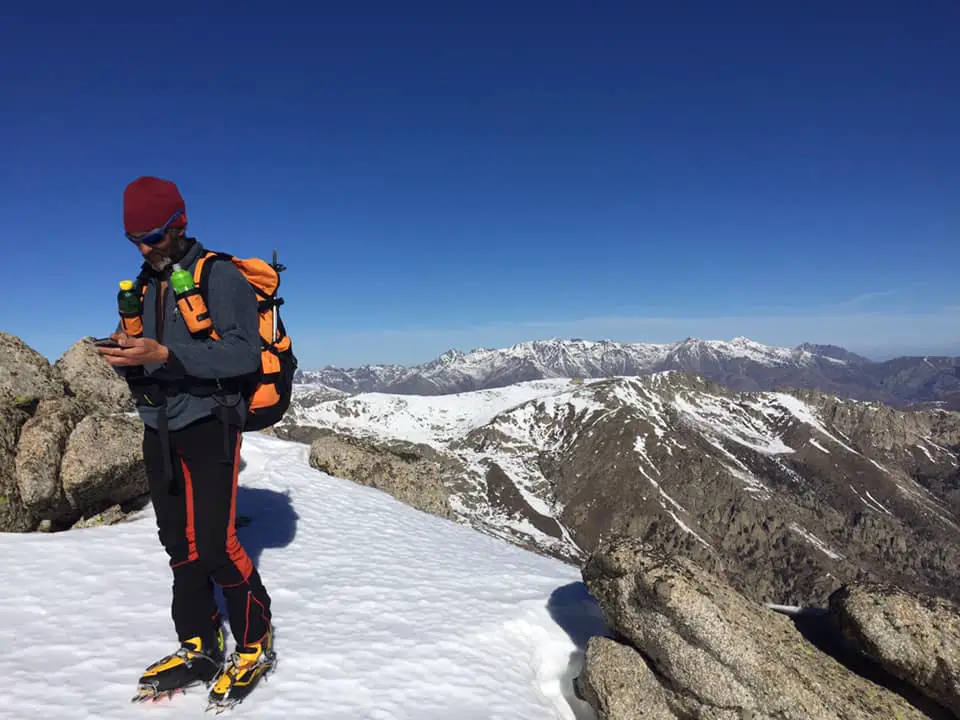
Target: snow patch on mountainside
[818,446]
[530,483]
[805,414]
[870,501]
[742,348]
[722,416]
[648,468]
[540,423]
[816,542]
[429,419]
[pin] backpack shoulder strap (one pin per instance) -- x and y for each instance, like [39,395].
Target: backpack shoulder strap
[201,272]
[142,281]
[201,276]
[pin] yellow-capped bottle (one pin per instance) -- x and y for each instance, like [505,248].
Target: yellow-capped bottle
[131,309]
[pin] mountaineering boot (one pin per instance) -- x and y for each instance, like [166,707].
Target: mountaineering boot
[241,674]
[192,664]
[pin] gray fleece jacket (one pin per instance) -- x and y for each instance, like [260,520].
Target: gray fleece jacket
[232,304]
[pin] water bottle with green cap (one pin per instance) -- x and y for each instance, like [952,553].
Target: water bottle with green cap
[180,280]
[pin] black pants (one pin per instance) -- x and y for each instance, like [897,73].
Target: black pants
[196,527]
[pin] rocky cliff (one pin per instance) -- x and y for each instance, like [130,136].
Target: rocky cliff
[685,644]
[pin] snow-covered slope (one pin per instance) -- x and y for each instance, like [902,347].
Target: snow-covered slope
[420,619]
[433,420]
[557,464]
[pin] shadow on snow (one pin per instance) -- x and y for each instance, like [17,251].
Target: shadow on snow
[574,609]
[264,519]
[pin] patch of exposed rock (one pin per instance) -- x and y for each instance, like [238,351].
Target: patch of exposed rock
[914,637]
[917,443]
[112,515]
[103,463]
[25,373]
[411,473]
[94,383]
[14,517]
[43,440]
[882,427]
[297,433]
[618,683]
[690,646]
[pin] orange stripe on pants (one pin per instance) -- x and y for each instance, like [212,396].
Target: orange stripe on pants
[191,528]
[235,551]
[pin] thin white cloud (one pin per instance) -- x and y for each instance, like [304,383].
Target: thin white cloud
[866,298]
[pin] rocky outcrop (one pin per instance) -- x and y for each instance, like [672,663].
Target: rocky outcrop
[25,373]
[95,385]
[915,637]
[618,683]
[103,462]
[297,433]
[884,428]
[14,517]
[685,644]
[411,473]
[915,442]
[43,440]
[69,447]
[111,516]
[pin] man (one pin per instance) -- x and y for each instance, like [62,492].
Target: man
[191,446]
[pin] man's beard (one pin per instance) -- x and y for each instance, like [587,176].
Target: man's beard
[161,261]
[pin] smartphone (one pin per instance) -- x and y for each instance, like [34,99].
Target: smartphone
[106,342]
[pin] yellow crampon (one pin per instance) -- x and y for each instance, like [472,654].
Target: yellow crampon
[241,674]
[192,664]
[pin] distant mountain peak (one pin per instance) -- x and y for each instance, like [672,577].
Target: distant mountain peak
[835,352]
[740,363]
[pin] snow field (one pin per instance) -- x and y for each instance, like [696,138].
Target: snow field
[381,612]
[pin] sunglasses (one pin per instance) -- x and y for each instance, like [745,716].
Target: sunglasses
[154,236]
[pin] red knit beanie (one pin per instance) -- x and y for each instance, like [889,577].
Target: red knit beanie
[148,203]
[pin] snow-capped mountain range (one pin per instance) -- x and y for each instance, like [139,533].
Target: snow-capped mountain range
[790,492]
[740,364]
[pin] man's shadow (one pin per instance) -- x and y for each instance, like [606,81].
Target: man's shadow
[264,519]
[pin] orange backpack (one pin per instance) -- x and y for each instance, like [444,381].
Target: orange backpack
[269,396]
[268,391]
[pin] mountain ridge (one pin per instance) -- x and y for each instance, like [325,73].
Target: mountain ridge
[792,492]
[741,364]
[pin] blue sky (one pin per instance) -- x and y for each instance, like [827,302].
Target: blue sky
[472,174]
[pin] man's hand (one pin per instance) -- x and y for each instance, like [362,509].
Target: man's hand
[134,351]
